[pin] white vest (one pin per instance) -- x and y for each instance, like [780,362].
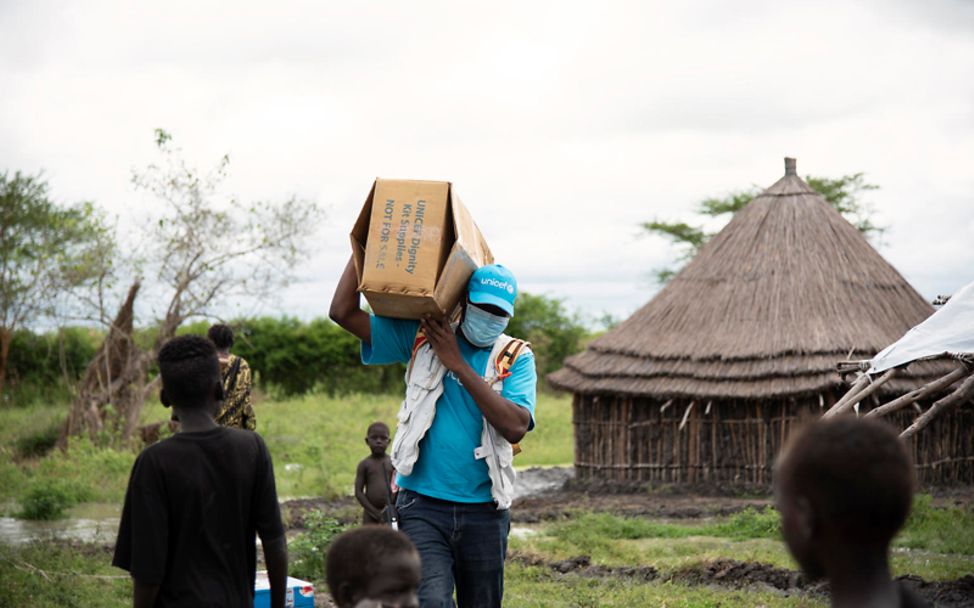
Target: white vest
[424,385]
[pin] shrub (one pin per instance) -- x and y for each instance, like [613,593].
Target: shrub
[42,367]
[307,552]
[47,499]
[37,443]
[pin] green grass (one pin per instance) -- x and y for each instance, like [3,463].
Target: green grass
[530,586]
[55,574]
[325,438]
[320,437]
[750,535]
[938,529]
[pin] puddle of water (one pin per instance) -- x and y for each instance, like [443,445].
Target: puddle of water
[89,523]
[538,480]
[17,531]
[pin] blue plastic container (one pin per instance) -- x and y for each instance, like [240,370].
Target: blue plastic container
[300,594]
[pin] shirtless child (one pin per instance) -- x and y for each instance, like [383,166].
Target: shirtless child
[374,474]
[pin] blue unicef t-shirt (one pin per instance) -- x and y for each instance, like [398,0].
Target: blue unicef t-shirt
[446,467]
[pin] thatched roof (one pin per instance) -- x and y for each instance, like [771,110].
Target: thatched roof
[766,309]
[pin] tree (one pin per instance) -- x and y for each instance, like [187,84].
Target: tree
[46,251]
[554,333]
[843,193]
[201,250]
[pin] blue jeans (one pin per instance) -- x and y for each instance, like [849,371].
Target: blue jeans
[461,545]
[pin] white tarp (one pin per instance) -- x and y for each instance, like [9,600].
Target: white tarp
[949,330]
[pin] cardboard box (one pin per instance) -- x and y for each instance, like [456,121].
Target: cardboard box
[300,594]
[415,246]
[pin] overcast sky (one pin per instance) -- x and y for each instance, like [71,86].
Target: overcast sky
[562,125]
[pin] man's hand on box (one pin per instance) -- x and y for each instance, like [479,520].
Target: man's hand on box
[444,342]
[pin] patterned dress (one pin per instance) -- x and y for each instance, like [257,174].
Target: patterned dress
[237,410]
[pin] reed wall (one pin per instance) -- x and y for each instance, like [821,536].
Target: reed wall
[733,442]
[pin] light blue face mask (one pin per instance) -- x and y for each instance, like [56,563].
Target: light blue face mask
[482,328]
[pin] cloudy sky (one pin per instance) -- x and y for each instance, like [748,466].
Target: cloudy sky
[562,124]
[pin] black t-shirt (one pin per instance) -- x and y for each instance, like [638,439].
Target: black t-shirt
[193,504]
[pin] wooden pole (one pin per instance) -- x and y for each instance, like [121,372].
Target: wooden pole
[920,393]
[856,387]
[963,393]
[848,401]
[686,415]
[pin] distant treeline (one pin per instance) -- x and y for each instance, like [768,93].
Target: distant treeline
[288,356]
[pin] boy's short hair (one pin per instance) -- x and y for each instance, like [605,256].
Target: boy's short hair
[190,370]
[221,335]
[856,474]
[355,556]
[377,425]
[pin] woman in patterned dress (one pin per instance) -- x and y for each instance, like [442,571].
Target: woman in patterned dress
[237,410]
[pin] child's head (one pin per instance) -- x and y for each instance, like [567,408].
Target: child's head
[373,564]
[190,373]
[842,485]
[377,438]
[221,335]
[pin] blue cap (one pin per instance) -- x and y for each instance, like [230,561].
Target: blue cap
[493,284]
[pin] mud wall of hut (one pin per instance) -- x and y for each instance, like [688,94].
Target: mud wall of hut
[638,440]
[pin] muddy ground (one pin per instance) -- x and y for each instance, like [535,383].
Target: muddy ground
[547,494]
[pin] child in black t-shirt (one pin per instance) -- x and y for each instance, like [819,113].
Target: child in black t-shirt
[374,475]
[195,500]
[371,567]
[844,488]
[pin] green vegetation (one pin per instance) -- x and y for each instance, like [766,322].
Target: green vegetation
[48,253]
[61,575]
[316,442]
[48,498]
[531,586]
[323,438]
[307,553]
[938,529]
[936,543]
[289,357]
[552,330]
[749,523]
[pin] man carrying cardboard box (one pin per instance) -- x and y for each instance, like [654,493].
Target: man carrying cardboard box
[470,394]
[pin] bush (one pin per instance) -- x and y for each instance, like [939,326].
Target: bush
[47,499]
[554,332]
[37,443]
[307,552]
[42,367]
[291,357]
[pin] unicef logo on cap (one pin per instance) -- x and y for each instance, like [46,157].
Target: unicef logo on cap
[498,284]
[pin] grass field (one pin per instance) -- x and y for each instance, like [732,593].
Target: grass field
[316,443]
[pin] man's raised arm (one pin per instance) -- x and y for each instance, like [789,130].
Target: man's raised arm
[346,309]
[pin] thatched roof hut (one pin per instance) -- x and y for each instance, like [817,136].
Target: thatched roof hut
[703,382]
